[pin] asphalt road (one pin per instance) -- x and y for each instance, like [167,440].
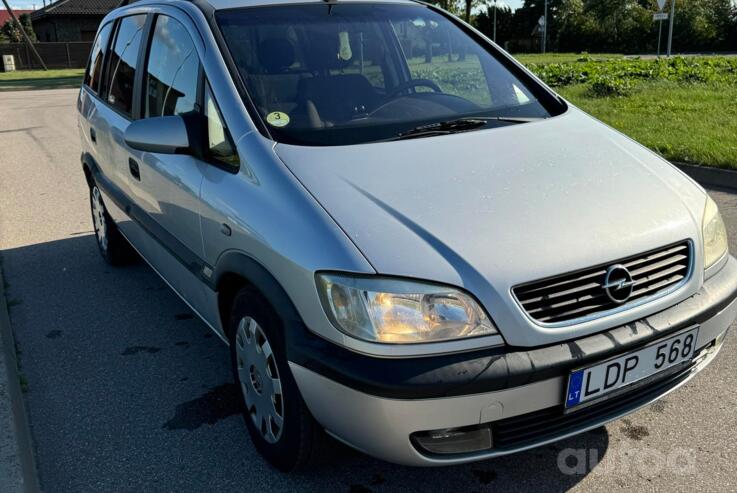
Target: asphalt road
[129,392]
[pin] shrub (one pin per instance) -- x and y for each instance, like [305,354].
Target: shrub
[619,75]
[607,86]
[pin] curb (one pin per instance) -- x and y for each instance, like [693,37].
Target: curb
[26,455]
[713,177]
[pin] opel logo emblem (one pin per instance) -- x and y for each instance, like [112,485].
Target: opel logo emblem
[618,283]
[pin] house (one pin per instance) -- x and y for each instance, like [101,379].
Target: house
[5,15]
[70,20]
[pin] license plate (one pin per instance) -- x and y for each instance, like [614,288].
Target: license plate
[590,384]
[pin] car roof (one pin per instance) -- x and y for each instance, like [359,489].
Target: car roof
[230,4]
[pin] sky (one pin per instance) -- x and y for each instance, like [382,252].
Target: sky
[23,4]
[515,4]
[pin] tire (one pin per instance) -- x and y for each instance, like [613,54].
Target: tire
[278,421]
[113,247]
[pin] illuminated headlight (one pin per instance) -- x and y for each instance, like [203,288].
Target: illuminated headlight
[401,312]
[715,234]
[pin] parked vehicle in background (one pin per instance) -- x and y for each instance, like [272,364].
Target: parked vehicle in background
[406,239]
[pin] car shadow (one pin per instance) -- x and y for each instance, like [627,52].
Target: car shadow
[127,388]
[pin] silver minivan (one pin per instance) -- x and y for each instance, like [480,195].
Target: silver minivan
[407,240]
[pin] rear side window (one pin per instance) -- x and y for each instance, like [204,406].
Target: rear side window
[94,69]
[172,71]
[123,60]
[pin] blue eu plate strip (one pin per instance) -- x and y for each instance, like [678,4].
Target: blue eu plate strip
[575,382]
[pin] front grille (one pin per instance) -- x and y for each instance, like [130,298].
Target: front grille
[536,427]
[579,295]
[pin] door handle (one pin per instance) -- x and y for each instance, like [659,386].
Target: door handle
[133,168]
[93,135]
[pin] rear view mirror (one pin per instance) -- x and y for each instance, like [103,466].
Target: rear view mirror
[165,135]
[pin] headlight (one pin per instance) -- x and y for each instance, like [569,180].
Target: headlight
[715,234]
[401,312]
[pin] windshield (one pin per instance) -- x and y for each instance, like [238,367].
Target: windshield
[350,73]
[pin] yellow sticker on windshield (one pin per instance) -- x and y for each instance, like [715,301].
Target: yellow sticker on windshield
[277,119]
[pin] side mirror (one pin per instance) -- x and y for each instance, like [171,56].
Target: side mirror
[165,135]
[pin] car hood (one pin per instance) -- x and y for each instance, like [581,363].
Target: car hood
[490,209]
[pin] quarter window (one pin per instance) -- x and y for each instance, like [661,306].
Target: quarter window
[219,143]
[94,69]
[123,60]
[172,72]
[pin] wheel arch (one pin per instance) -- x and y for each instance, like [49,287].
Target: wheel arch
[88,165]
[236,270]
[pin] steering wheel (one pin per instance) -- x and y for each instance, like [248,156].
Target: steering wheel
[414,83]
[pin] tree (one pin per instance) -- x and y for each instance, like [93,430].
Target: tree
[618,26]
[11,30]
[453,6]
[626,26]
[704,25]
[731,26]
[468,6]
[484,22]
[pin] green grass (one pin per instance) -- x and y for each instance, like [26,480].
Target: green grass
[526,58]
[23,80]
[683,108]
[541,59]
[691,123]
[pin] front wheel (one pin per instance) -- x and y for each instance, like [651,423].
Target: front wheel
[113,247]
[280,426]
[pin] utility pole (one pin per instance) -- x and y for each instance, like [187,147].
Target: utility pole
[495,21]
[25,36]
[545,26]
[670,29]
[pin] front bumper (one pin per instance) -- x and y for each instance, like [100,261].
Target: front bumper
[375,404]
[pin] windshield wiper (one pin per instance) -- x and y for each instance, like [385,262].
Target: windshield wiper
[458,125]
[442,128]
[513,119]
